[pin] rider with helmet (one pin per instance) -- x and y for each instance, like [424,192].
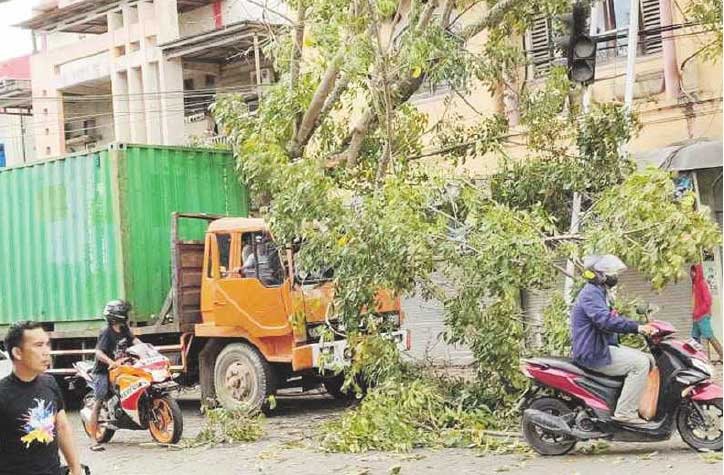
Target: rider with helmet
[116,314]
[594,328]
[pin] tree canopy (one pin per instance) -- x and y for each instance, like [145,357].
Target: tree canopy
[338,155]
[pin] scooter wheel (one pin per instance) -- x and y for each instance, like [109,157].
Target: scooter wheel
[542,441]
[698,433]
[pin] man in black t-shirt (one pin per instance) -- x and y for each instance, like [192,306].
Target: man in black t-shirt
[33,424]
[116,314]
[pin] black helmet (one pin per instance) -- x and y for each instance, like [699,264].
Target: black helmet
[116,311]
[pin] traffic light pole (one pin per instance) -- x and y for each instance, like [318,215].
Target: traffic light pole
[576,205]
[575,214]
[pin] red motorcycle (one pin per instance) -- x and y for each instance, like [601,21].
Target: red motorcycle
[567,403]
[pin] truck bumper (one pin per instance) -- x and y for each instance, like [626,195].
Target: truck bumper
[335,354]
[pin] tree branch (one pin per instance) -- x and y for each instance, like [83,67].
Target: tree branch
[339,88]
[359,132]
[311,115]
[447,9]
[298,41]
[404,88]
[492,16]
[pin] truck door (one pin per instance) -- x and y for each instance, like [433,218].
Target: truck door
[251,293]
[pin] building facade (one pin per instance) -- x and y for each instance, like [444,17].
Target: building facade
[16,144]
[141,71]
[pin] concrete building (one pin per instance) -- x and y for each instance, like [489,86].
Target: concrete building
[142,71]
[16,144]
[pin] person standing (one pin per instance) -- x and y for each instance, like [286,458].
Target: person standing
[701,313]
[33,423]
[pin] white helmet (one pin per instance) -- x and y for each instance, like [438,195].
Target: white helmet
[603,269]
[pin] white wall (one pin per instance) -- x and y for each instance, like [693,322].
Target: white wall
[11,137]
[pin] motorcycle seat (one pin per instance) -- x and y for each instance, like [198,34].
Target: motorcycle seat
[567,364]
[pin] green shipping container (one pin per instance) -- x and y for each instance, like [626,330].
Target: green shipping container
[84,229]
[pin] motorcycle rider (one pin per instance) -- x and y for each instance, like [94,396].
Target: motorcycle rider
[116,314]
[594,328]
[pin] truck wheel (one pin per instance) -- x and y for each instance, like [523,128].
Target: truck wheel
[243,378]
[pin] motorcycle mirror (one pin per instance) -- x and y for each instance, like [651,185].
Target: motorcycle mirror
[643,308]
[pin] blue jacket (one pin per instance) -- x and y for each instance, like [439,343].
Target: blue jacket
[594,326]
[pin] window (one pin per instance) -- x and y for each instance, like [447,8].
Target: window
[210,80]
[611,23]
[223,244]
[613,20]
[261,260]
[2,155]
[188,84]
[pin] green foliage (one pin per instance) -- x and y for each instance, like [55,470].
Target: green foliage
[228,427]
[709,14]
[556,327]
[541,113]
[641,222]
[426,228]
[402,415]
[550,179]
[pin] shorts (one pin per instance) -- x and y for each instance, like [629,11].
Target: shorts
[100,386]
[702,329]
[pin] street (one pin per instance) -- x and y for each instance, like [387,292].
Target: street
[288,446]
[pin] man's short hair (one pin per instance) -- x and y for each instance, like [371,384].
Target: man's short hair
[14,337]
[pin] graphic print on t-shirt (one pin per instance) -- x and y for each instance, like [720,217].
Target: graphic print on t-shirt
[39,423]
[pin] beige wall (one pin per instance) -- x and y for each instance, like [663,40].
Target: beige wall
[696,114]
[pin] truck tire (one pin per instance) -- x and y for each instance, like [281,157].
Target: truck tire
[243,378]
[334,388]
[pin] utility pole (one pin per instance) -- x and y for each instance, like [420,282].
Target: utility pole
[22,136]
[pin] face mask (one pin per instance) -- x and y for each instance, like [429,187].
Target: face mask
[611,281]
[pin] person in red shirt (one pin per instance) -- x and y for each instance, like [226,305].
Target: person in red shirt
[701,314]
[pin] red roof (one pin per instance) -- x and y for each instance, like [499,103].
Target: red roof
[15,68]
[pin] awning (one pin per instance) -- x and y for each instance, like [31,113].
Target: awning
[688,155]
[217,46]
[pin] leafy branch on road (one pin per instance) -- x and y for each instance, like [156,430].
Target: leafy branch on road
[222,426]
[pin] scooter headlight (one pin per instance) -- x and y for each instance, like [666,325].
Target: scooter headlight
[702,366]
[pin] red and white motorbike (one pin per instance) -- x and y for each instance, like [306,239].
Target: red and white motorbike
[140,397]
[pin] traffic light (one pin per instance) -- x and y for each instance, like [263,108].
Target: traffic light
[578,47]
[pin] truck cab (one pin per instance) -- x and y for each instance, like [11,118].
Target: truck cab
[259,323]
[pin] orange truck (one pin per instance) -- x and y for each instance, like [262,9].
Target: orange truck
[247,322]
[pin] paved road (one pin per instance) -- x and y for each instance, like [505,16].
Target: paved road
[288,447]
